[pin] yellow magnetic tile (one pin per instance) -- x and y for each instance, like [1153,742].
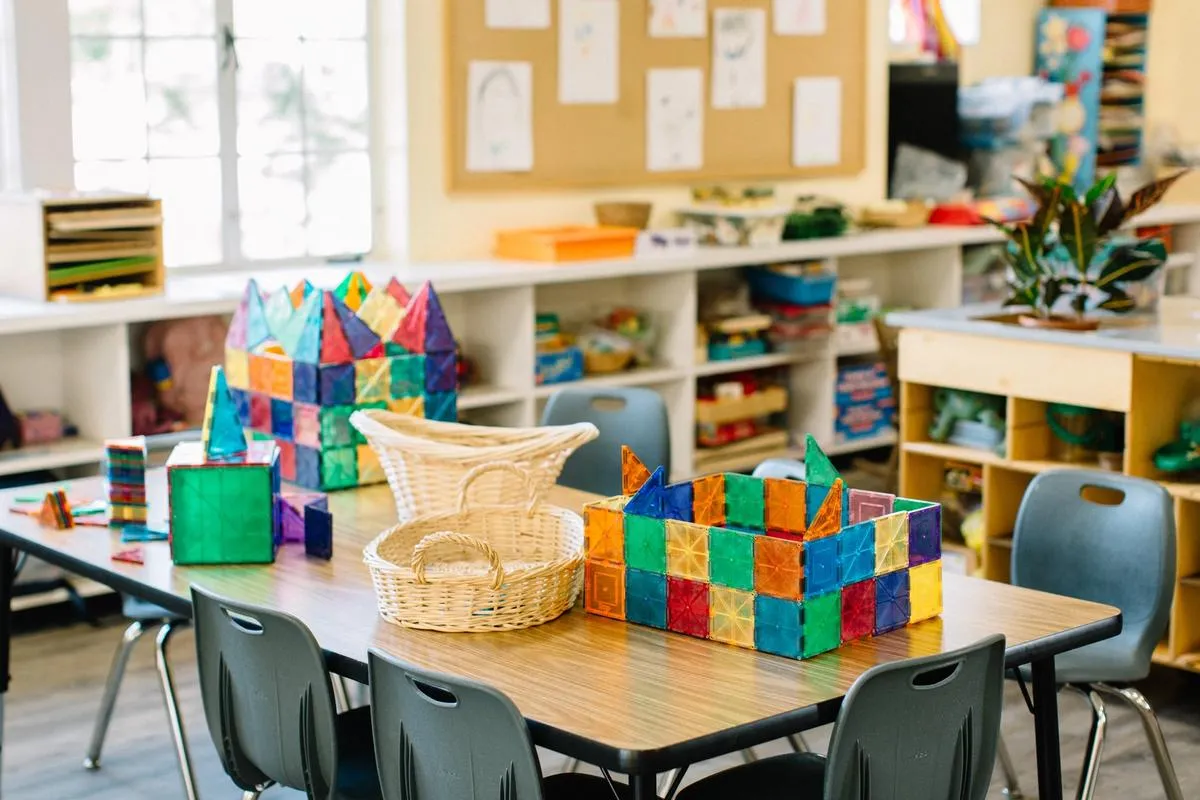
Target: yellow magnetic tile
[604,535]
[925,591]
[687,550]
[237,368]
[381,312]
[785,505]
[891,543]
[731,616]
[372,379]
[369,468]
[413,406]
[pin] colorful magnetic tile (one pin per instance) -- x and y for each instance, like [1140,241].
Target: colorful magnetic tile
[290,527]
[281,378]
[858,610]
[648,500]
[708,503]
[856,551]
[822,623]
[646,598]
[604,535]
[241,403]
[777,626]
[865,505]
[687,607]
[412,406]
[372,380]
[130,555]
[645,542]
[438,338]
[745,503]
[335,349]
[633,472]
[281,419]
[260,412]
[318,532]
[891,543]
[237,368]
[687,550]
[892,604]
[924,535]
[337,384]
[381,311]
[306,386]
[731,558]
[260,372]
[827,519]
[56,511]
[408,376]
[908,504]
[785,505]
[369,468]
[441,406]
[818,468]
[925,591]
[287,460]
[308,467]
[363,341]
[441,373]
[339,467]
[731,616]
[604,589]
[221,432]
[677,501]
[306,425]
[335,426]
[778,567]
[356,436]
[821,573]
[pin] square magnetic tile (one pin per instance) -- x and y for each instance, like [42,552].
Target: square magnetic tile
[646,598]
[604,535]
[339,468]
[731,558]
[281,419]
[306,385]
[732,616]
[822,623]
[604,589]
[821,573]
[826,519]
[260,412]
[708,503]
[441,406]
[892,603]
[687,550]
[408,376]
[785,509]
[306,425]
[687,607]
[924,535]
[372,380]
[335,426]
[441,374]
[646,543]
[858,610]
[369,469]
[778,569]
[337,384]
[891,543]
[865,505]
[745,501]
[925,591]
[308,467]
[857,552]
[777,627]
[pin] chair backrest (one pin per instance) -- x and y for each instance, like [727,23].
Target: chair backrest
[925,727]
[267,696]
[1103,537]
[788,469]
[444,738]
[636,417]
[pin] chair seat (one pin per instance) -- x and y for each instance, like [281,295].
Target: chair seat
[139,610]
[787,777]
[1110,661]
[357,776]
[573,786]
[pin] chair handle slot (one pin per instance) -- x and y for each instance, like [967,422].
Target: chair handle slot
[936,677]
[243,622]
[436,695]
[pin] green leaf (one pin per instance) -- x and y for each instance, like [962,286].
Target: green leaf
[1028,247]
[1052,289]
[1078,232]
[1045,217]
[1100,188]
[1079,302]
[1132,263]
[1150,195]
[1117,300]
[1108,211]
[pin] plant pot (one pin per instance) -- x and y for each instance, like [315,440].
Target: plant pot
[623,215]
[1058,323]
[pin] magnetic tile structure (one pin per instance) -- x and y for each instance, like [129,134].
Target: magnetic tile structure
[125,480]
[299,362]
[787,567]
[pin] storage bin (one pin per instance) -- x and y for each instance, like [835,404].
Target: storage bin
[807,289]
[764,402]
[725,351]
[559,366]
[566,243]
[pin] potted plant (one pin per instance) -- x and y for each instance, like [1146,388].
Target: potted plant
[1066,254]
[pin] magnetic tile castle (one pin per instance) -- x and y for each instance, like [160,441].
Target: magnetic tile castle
[788,567]
[299,362]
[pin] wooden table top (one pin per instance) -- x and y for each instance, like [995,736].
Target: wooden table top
[621,686]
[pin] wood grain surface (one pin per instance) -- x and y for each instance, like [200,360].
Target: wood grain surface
[618,685]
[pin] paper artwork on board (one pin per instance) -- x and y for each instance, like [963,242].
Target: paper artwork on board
[674,119]
[517,14]
[499,116]
[817,122]
[739,77]
[799,17]
[679,18]
[588,52]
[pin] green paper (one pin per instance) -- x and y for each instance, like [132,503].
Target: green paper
[744,502]
[731,558]
[822,623]
[818,469]
[646,543]
[336,430]
[339,468]
[221,515]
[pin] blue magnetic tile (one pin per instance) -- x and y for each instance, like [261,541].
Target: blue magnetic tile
[892,603]
[241,404]
[440,372]
[305,383]
[441,406]
[814,496]
[677,502]
[308,467]
[337,385]
[821,566]
[645,598]
[924,535]
[647,501]
[856,546]
[318,533]
[777,626]
[281,419]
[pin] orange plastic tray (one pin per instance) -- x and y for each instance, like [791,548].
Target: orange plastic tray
[566,243]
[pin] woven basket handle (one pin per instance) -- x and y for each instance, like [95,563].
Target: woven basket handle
[497,466]
[419,556]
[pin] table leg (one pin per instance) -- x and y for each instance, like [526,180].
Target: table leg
[8,567]
[644,786]
[1045,724]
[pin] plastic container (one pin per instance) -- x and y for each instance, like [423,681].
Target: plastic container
[734,226]
[559,366]
[805,289]
[566,243]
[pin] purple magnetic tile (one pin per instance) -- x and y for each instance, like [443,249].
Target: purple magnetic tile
[924,535]
[441,374]
[291,519]
[438,338]
[865,505]
[318,533]
[305,383]
[337,385]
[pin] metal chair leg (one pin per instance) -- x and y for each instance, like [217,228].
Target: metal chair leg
[112,685]
[668,783]
[1012,786]
[172,703]
[1154,735]
[1095,747]
[341,694]
[571,765]
[798,743]
[749,756]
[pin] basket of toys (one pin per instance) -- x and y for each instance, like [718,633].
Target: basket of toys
[426,461]
[480,567]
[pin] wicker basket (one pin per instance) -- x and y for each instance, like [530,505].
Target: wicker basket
[426,461]
[428,574]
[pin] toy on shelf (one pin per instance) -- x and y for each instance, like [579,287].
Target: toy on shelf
[749,217]
[1083,435]
[857,307]
[465,372]
[791,568]
[558,360]
[125,480]
[968,419]
[733,419]
[41,427]
[865,407]
[605,352]
[635,327]
[300,362]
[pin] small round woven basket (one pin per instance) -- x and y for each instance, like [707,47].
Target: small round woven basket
[482,568]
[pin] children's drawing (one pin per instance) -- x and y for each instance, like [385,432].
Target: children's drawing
[679,18]
[798,17]
[499,116]
[587,51]
[739,58]
[517,14]
[816,122]
[674,119]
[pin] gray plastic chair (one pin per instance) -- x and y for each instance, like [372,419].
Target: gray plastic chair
[444,738]
[1123,555]
[788,469]
[270,708]
[636,417]
[924,727]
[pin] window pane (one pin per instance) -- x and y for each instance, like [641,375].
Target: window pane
[274,19]
[179,17]
[181,88]
[115,176]
[269,97]
[271,199]
[190,189]
[105,17]
[345,19]
[335,100]
[108,101]
[339,204]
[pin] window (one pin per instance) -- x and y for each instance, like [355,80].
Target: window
[249,118]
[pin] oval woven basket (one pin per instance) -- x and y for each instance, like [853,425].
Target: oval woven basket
[479,569]
[426,461]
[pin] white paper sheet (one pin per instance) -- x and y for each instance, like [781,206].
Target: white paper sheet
[674,119]
[679,18]
[499,116]
[739,58]
[517,14]
[587,51]
[817,122]
[799,17]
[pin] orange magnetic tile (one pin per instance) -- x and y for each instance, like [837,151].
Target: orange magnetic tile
[732,616]
[778,567]
[633,472]
[604,535]
[785,505]
[281,378]
[604,589]
[687,550]
[260,373]
[828,520]
[708,500]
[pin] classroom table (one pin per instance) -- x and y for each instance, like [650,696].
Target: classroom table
[636,700]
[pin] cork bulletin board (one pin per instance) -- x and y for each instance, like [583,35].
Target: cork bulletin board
[583,146]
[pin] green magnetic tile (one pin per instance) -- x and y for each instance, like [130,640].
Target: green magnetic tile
[646,543]
[336,430]
[905,504]
[744,501]
[731,558]
[408,376]
[339,468]
[822,623]
[355,436]
[221,515]
[393,349]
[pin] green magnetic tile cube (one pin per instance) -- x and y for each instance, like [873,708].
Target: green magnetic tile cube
[355,436]
[339,468]
[408,376]
[822,623]
[744,501]
[646,543]
[336,430]
[731,558]
[905,504]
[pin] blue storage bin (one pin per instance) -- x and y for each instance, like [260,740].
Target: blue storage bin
[723,351]
[813,289]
